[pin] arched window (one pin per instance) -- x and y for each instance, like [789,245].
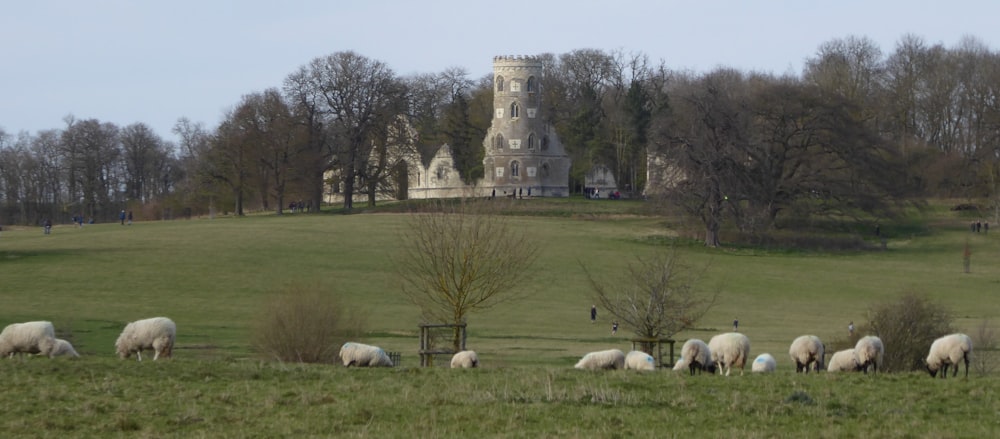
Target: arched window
[499,83]
[545,170]
[545,143]
[531,84]
[515,110]
[498,142]
[514,168]
[531,141]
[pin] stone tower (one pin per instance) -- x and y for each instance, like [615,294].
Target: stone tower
[523,153]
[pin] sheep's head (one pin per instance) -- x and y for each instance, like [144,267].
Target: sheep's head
[931,370]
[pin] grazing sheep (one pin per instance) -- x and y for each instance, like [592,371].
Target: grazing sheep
[843,361]
[156,334]
[695,356]
[63,347]
[362,355]
[27,338]
[728,350]
[764,363]
[638,360]
[465,360]
[869,352]
[805,351]
[609,359]
[949,350]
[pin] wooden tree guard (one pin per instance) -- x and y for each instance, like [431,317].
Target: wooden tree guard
[655,344]
[427,351]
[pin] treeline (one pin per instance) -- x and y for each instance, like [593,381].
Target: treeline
[855,134]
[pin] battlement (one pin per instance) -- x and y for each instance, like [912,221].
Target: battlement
[517,61]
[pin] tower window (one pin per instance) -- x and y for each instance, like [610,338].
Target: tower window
[514,168]
[499,81]
[498,142]
[531,141]
[531,84]
[515,110]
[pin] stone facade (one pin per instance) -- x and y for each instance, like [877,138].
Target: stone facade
[523,153]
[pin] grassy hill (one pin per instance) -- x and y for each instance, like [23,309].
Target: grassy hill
[212,277]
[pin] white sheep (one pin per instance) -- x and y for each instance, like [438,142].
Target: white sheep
[28,338]
[639,360]
[63,347]
[843,361]
[869,352]
[807,352]
[949,350]
[465,360]
[609,359]
[695,355]
[157,334]
[764,363]
[362,355]
[728,350]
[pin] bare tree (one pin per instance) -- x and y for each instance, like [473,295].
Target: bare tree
[462,258]
[656,297]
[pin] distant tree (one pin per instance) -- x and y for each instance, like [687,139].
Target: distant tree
[356,96]
[460,258]
[656,297]
[703,135]
[147,163]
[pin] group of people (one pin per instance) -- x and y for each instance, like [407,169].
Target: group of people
[980,226]
[123,216]
[300,206]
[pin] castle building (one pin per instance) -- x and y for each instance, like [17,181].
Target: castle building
[523,153]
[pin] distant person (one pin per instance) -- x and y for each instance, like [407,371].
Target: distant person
[520,192]
[850,329]
[986,227]
[47,226]
[493,194]
[121,217]
[593,314]
[130,217]
[736,324]
[614,328]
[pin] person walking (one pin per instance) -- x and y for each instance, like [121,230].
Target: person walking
[593,314]
[736,324]
[130,217]
[614,327]
[850,329]
[121,217]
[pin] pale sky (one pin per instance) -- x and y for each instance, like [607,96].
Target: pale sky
[130,61]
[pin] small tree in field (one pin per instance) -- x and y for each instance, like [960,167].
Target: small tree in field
[656,297]
[461,258]
[907,327]
[306,324]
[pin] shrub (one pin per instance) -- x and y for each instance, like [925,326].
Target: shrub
[305,324]
[907,327]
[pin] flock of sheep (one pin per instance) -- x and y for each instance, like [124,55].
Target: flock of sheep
[722,352]
[726,351]
[156,334]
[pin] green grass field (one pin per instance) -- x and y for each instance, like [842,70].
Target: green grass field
[212,275]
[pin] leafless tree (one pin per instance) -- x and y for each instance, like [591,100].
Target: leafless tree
[657,296]
[354,95]
[460,258]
